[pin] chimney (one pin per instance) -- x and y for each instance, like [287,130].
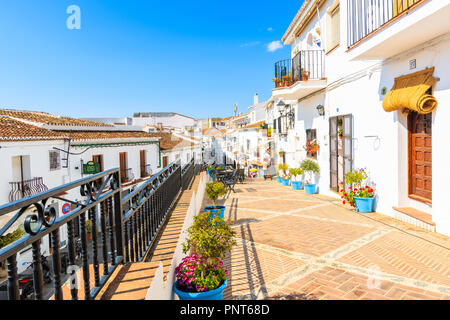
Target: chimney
[255,99]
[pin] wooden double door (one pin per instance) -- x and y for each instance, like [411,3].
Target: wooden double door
[420,156]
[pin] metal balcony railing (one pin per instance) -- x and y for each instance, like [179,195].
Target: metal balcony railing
[123,229]
[365,17]
[306,65]
[26,188]
[146,171]
[126,175]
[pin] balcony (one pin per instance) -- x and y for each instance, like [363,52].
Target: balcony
[26,188]
[385,28]
[126,175]
[146,171]
[298,77]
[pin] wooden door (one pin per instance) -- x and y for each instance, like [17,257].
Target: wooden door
[99,159]
[142,157]
[420,156]
[123,166]
[334,184]
[165,161]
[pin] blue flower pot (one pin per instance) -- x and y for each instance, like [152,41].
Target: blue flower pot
[216,211]
[296,185]
[279,179]
[286,182]
[364,205]
[207,171]
[216,294]
[310,188]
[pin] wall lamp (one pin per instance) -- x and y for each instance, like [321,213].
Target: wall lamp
[321,110]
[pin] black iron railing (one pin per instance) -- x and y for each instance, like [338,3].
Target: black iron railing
[365,17]
[123,229]
[147,208]
[306,65]
[26,188]
[126,175]
[146,171]
[187,173]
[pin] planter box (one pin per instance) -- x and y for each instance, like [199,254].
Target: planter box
[216,211]
[310,188]
[296,185]
[364,205]
[279,179]
[216,294]
[286,182]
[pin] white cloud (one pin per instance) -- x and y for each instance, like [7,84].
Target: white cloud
[274,46]
[250,44]
[270,29]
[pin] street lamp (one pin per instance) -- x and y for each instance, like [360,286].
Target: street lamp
[321,110]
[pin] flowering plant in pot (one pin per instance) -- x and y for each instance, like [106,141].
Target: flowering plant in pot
[311,167]
[362,198]
[202,275]
[214,190]
[295,180]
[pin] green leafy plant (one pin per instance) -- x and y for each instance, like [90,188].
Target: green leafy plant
[310,167]
[283,167]
[296,172]
[209,237]
[11,237]
[209,167]
[214,190]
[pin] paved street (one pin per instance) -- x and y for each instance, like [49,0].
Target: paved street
[297,246]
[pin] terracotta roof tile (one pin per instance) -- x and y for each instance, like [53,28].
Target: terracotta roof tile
[169,141]
[12,130]
[105,135]
[253,125]
[49,119]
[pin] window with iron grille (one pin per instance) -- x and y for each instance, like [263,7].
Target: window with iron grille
[55,159]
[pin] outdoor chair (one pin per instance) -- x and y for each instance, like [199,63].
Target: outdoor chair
[231,181]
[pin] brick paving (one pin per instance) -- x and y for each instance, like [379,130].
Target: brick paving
[297,246]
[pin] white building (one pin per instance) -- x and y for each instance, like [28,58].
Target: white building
[351,63]
[40,151]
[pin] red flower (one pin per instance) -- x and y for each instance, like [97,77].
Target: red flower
[345,194]
[343,202]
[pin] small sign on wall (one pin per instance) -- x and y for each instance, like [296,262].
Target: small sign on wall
[412,64]
[91,168]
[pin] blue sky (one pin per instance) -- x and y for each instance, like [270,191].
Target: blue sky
[193,57]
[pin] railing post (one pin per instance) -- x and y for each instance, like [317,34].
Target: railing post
[118,213]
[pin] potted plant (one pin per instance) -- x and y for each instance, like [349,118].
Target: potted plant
[362,198]
[202,275]
[209,168]
[279,176]
[214,190]
[6,240]
[295,182]
[89,229]
[311,167]
[340,133]
[283,167]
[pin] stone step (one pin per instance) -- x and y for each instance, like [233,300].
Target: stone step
[415,217]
